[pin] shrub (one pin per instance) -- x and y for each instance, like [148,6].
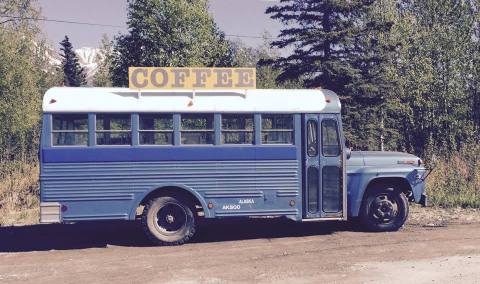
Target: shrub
[19,193]
[455,181]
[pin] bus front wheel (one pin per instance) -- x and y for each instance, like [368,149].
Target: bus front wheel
[168,220]
[384,209]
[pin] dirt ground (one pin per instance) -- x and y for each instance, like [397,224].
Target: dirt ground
[429,249]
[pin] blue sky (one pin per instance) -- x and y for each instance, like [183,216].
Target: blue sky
[234,17]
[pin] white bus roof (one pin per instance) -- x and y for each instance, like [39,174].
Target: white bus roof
[84,99]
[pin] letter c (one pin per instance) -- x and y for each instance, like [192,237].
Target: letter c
[135,76]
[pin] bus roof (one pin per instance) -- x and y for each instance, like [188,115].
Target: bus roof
[85,99]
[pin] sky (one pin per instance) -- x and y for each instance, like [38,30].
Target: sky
[234,17]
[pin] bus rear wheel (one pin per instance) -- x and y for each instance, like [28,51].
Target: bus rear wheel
[384,209]
[168,220]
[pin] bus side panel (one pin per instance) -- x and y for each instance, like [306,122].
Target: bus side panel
[96,183]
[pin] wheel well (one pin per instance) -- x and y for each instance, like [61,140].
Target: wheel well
[398,182]
[174,192]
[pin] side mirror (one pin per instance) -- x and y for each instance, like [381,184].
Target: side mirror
[347,143]
[348,152]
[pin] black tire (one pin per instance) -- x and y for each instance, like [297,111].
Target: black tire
[168,220]
[384,209]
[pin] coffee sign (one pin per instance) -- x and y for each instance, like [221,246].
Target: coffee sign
[151,78]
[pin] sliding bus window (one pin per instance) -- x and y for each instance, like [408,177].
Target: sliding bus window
[277,129]
[197,129]
[156,129]
[237,129]
[113,129]
[70,129]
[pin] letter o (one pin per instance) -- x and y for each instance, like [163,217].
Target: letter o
[153,78]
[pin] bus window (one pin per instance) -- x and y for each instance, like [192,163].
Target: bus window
[70,129]
[312,143]
[312,183]
[331,191]
[156,129]
[197,129]
[277,129]
[237,129]
[330,141]
[113,129]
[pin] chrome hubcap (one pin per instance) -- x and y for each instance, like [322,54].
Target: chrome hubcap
[170,219]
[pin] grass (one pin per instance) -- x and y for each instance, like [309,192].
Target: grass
[455,181]
[19,193]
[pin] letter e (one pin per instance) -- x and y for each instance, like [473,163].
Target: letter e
[224,78]
[245,78]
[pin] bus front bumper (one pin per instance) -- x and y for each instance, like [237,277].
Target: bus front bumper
[50,212]
[423,200]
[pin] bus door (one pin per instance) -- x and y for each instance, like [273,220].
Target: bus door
[323,162]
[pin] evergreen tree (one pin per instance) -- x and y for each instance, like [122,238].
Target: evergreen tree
[174,33]
[323,35]
[103,76]
[258,57]
[266,73]
[74,75]
[367,104]
[337,47]
[407,71]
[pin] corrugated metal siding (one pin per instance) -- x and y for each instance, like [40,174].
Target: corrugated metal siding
[109,183]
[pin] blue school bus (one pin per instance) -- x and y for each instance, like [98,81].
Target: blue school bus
[171,157]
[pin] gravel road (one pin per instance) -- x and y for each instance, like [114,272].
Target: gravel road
[262,251]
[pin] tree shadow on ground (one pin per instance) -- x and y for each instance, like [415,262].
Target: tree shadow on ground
[130,234]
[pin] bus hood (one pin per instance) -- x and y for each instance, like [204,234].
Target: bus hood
[377,158]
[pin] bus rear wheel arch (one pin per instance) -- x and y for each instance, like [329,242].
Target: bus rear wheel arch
[174,191]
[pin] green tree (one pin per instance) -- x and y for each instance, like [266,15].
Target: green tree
[473,82]
[103,77]
[322,34]
[407,71]
[337,46]
[267,73]
[25,74]
[368,103]
[74,75]
[260,57]
[169,33]
[433,71]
